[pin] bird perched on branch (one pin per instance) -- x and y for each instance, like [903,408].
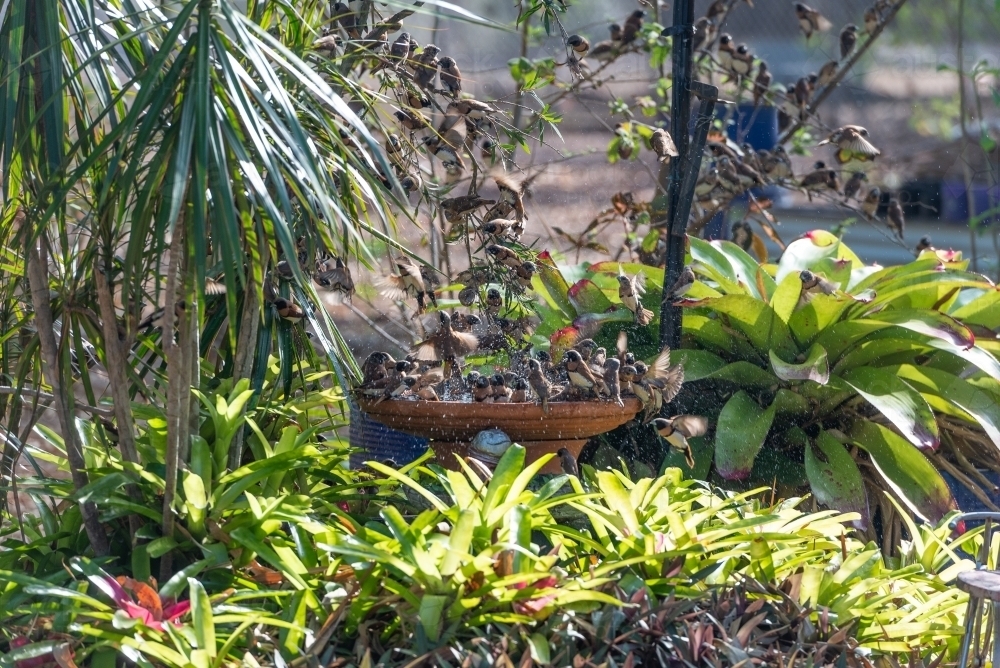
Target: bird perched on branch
[677,430]
[289,310]
[762,83]
[451,77]
[633,24]
[607,50]
[457,208]
[726,51]
[853,185]
[894,218]
[426,66]
[412,120]
[827,73]
[504,256]
[923,244]
[871,202]
[848,40]
[821,178]
[704,33]
[579,45]
[682,284]
[663,145]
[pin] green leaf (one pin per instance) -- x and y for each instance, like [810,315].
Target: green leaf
[618,499]
[431,612]
[201,617]
[539,647]
[897,401]
[586,297]
[508,468]
[697,364]
[816,367]
[786,296]
[906,469]
[756,320]
[834,477]
[747,270]
[739,435]
[808,251]
[969,399]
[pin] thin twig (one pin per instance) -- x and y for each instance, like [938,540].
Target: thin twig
[45,396]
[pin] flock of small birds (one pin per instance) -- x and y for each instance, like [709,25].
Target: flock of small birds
[585,373]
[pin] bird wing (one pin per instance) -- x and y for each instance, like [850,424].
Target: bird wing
[661,366]
[393,287]
[426,351]
[639,284]
[432,377]
[822,23]
[691,425]
[671,383]
[861,146]
[214,287]
[465,343]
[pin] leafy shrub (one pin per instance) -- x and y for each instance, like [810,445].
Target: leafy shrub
[874,378]
[449,563]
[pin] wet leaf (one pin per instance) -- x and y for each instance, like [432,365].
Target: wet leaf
[739,435]
[898,402]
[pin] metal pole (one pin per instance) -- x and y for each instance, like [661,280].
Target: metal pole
[680,107]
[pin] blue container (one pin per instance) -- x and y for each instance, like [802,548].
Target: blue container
[757,126]
[955,203]
[375,441]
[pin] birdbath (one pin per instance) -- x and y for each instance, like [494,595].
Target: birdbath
[450,426]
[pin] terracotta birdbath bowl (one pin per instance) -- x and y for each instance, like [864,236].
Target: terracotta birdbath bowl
[451,425]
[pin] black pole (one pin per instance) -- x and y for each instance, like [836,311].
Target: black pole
[680,107]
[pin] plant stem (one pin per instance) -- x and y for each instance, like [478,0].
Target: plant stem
[38,280]
[519,97]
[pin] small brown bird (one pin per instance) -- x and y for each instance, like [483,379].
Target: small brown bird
[426,66]
[567,462]
[924,244]
[827,73]
[504,256]
[607,50]
[539,384]
[728,176]
[611,381]
[812,282]
[586,348]
[682,284]
[473,109]
[417,100]
[458,208]
[704,32]
[525,272]
[871,202]
[804,88]
[580,375]
[778,165]
[343,15]
[762,83]
[663,145]
[338,279]
[633,24]
[742,234]
[498,227]
[871,20]
[894,218]
[512,193]
[395,391]
[848,40]
[853,185]
[810,20]
[494,301]
[821,178]
[483,391]
[580,46]
[326,45]
[726,51]
[374,366]
[464,322]
[630,291]
[427,394]
[289,310]
[520,391]
[400,49]
[451,77]
[742,62]
[665,377]
[411,182]
[677,430]
[446,342]
[852,142]
[501,393]
[411,119]
[407,282]
[716,10]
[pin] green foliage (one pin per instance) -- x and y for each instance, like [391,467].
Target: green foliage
[887,366]
[429,559]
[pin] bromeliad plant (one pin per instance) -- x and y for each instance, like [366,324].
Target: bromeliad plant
[820,373]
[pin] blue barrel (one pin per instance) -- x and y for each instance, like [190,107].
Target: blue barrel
[372,440]
[757,126]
